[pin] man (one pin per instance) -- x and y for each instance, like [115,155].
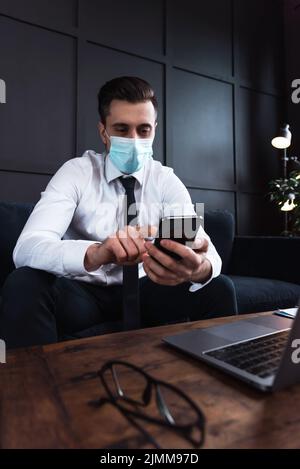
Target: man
[75,245]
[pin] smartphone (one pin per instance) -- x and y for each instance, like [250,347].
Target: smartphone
[182,229]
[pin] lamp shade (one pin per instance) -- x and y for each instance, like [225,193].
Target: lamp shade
[283,139]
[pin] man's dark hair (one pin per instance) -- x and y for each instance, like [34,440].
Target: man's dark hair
[131,89]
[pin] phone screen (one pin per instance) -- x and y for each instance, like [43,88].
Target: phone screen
[183,230]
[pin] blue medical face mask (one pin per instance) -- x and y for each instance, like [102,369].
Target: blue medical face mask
[129,154]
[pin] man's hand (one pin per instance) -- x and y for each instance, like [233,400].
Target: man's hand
[165,270]
[125,247]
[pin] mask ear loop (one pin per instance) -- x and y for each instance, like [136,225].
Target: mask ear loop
[106,150]
[107,134]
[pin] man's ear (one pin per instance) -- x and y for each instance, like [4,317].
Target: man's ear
[102,133]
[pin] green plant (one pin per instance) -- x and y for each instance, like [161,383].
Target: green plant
[285,193]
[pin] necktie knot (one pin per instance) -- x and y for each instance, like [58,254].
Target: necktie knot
[128,184]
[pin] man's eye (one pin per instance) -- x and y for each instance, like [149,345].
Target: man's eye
[145,131]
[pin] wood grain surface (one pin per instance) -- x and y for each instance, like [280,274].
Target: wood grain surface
[45,393]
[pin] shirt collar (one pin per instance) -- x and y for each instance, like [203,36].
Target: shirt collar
[111,172]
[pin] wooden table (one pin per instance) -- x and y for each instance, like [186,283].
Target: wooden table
[45,393]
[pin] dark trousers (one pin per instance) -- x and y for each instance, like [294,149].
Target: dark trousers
[40,308]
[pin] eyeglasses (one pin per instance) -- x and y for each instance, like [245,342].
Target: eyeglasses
[145,400]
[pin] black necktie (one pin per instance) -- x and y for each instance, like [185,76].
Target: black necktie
[131,299]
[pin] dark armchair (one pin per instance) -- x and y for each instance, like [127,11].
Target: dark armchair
[264,270]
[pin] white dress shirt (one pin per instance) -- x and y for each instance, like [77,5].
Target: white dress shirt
[84,203]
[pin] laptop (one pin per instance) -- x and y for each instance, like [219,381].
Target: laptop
[263,351]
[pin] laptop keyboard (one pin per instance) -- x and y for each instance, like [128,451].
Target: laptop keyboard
[259,356]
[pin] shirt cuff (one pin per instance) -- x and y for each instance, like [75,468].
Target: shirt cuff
[73,259]
[197,286]
[215,272]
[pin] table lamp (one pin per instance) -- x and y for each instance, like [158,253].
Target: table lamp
[282,141]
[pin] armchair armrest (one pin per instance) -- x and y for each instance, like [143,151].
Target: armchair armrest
[274,257]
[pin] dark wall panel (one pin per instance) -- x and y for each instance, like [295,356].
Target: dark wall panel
[38,120]
[20,187]
[95,75]
[52,13]
[260,44]
[214,200]
[201,35]
[292,21]
[216,67]
[265,218]
[131,25]
[202,130]
[257,161]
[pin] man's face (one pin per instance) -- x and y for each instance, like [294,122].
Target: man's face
[128,120]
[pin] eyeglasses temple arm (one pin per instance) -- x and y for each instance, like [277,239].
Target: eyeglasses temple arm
[162,406]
